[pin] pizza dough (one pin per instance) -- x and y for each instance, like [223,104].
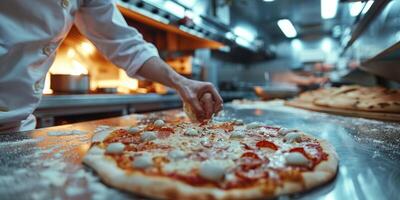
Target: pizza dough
[220,160]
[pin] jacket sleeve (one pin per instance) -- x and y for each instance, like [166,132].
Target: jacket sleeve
[102,23]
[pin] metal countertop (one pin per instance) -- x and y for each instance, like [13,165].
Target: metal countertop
[74,100]
[35,165]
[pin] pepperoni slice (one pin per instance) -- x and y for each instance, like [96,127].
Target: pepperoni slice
[249,161]
[250,155]
[266,144]
[165,132]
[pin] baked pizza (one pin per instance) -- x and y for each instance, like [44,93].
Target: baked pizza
[213,160]
[373,99]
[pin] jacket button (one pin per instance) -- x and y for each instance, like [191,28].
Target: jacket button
[47,50]
[65,3]
[38,86]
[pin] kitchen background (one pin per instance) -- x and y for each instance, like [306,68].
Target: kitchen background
[235,44]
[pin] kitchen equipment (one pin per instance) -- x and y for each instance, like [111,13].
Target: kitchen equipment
[64,83]
[273,91]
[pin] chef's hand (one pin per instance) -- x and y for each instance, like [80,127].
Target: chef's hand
[202,97]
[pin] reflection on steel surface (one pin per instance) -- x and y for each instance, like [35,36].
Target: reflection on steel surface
[369,153]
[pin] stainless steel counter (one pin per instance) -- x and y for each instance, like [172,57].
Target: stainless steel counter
[53,106]
[36,165]
[78,100]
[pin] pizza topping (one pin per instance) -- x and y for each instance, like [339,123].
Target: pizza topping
[266,144]
[191,132]
[253,125]
[238,122]
[293,137]
[252,174]
[176,154]
[133,130]
[143,161]
[296,159]
[223,154]
[213,170]
[221,144]
[284,131]
[159,123]
[238,134]
[115,148]
[148,136]
[250,160]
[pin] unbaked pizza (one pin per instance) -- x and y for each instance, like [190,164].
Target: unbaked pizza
[214,160]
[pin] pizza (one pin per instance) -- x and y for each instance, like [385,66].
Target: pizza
[373,99]
[214,160]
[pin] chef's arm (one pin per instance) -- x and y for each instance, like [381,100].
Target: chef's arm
[191,92]
[102,23]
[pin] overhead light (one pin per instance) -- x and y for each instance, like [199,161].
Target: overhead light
[269,0]
[355,8]
[175,8]
[367,6]
[244,33]
[328,8]
[296,44]
[230,35]
[287,28]
[326,45]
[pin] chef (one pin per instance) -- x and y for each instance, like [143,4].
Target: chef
[31,32]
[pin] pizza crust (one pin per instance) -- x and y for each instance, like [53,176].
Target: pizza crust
[164,188]
[371,99]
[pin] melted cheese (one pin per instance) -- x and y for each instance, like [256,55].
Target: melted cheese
[148,136]
[183,166]
[238,134]
[115,148]
[133,130]
[293,136]
[253,125]
[159,123]
[296,158]
[191,132]
[189,146]
[143,161]
[214,170]
[176,154]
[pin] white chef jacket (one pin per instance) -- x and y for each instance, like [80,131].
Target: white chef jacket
[31,32]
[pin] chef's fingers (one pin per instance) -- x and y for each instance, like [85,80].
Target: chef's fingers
[215,96]
[218,102]
[207,103]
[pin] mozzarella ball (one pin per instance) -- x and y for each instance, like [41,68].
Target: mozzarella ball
[176,154]
[159,123]
[191,132]
[284,131]
[143,161]
[115,148]
[293,137]
[253,125]
[296,158]
[213,170]
[133,130]
[237,134]
[148,136]
[238,122]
